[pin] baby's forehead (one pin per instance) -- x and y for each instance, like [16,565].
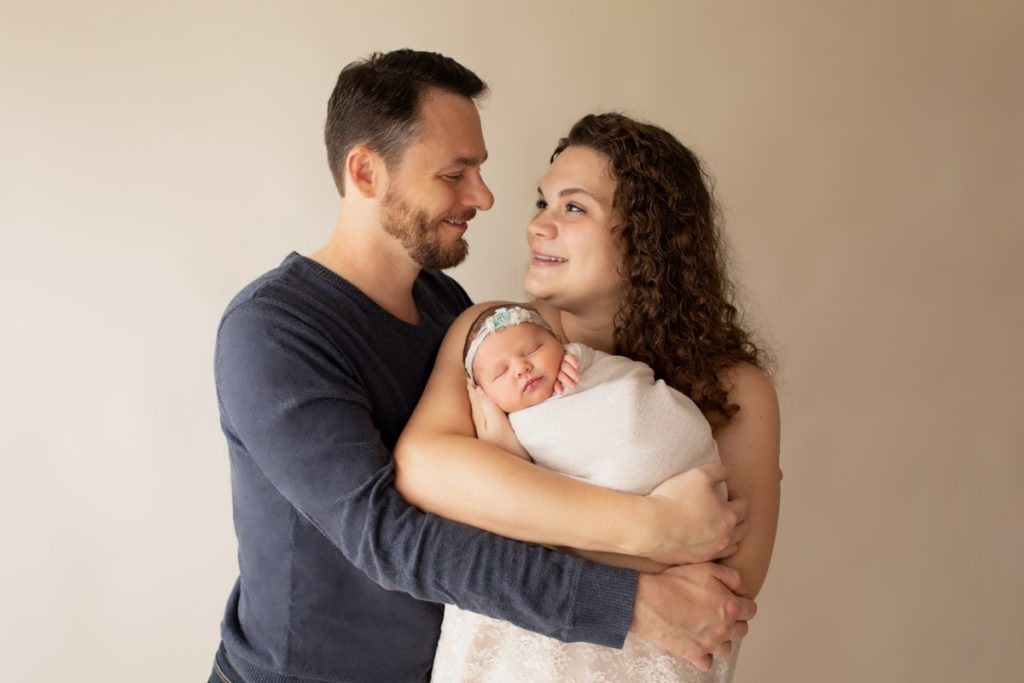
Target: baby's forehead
[521,330]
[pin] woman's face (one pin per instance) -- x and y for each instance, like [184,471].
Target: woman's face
[574,258]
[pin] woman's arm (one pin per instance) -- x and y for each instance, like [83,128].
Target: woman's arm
[493,427]
[444,469]
[749,446]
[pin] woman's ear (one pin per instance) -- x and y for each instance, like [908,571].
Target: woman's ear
[365,171]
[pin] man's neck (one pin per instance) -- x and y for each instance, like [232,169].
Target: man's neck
[376,265]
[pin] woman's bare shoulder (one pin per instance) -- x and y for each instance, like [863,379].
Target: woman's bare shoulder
[474,310]
[455,337]
[746,375]
[466,318]
[551,314]
[749,385]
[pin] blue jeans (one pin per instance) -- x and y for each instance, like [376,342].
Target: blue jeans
[223,672]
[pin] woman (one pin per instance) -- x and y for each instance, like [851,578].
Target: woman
[626,258]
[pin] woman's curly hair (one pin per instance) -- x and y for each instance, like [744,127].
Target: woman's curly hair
[676,314]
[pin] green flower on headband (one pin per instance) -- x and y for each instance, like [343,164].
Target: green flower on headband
[501,318]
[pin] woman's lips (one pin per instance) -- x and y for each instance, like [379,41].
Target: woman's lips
[545,259]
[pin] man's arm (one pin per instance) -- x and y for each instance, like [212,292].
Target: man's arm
[307,425]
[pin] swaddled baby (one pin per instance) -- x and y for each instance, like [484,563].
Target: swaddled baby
[618,427]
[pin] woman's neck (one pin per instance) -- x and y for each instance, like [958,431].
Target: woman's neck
[597,332]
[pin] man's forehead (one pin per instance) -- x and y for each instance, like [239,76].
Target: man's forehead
[449,131]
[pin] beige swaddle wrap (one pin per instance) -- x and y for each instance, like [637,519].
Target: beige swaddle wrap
[619,428]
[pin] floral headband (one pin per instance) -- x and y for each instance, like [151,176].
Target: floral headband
[508,316]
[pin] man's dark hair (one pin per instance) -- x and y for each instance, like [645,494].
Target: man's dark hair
[376,102]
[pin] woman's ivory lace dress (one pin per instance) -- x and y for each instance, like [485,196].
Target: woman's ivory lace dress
[646,432]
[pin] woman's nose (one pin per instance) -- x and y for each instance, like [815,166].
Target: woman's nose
[542,226]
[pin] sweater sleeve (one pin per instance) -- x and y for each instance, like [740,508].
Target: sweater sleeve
[306,423]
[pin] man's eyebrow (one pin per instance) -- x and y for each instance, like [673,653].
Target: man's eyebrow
[469,161]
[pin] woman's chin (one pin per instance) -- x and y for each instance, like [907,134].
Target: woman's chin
[535,287]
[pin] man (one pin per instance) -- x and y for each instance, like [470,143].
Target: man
[319,364]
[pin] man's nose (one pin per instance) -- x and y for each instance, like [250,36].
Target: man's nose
[477,195]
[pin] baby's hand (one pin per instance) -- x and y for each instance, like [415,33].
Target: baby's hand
[568,374]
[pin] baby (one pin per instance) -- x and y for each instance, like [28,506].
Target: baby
[519,367]
[618,427]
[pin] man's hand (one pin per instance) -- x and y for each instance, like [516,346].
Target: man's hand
[695,611]
[688,522]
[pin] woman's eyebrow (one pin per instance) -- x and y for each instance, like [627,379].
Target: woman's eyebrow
[567,191]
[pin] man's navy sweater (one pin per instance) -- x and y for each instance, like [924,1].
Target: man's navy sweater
[340,579]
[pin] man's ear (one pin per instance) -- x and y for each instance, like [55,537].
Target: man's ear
[365,171]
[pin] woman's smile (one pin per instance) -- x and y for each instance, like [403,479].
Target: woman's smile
[544,259]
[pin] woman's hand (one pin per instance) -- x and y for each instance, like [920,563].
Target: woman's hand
[492,423]
[689,522]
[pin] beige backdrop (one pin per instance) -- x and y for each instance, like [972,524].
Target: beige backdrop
[156,156]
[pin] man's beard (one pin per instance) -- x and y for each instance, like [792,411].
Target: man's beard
[421,236]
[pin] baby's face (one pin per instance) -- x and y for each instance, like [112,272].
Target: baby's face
[517,366]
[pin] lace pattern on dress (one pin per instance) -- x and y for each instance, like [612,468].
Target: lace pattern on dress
[478,649]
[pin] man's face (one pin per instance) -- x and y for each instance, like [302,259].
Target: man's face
[436,188]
